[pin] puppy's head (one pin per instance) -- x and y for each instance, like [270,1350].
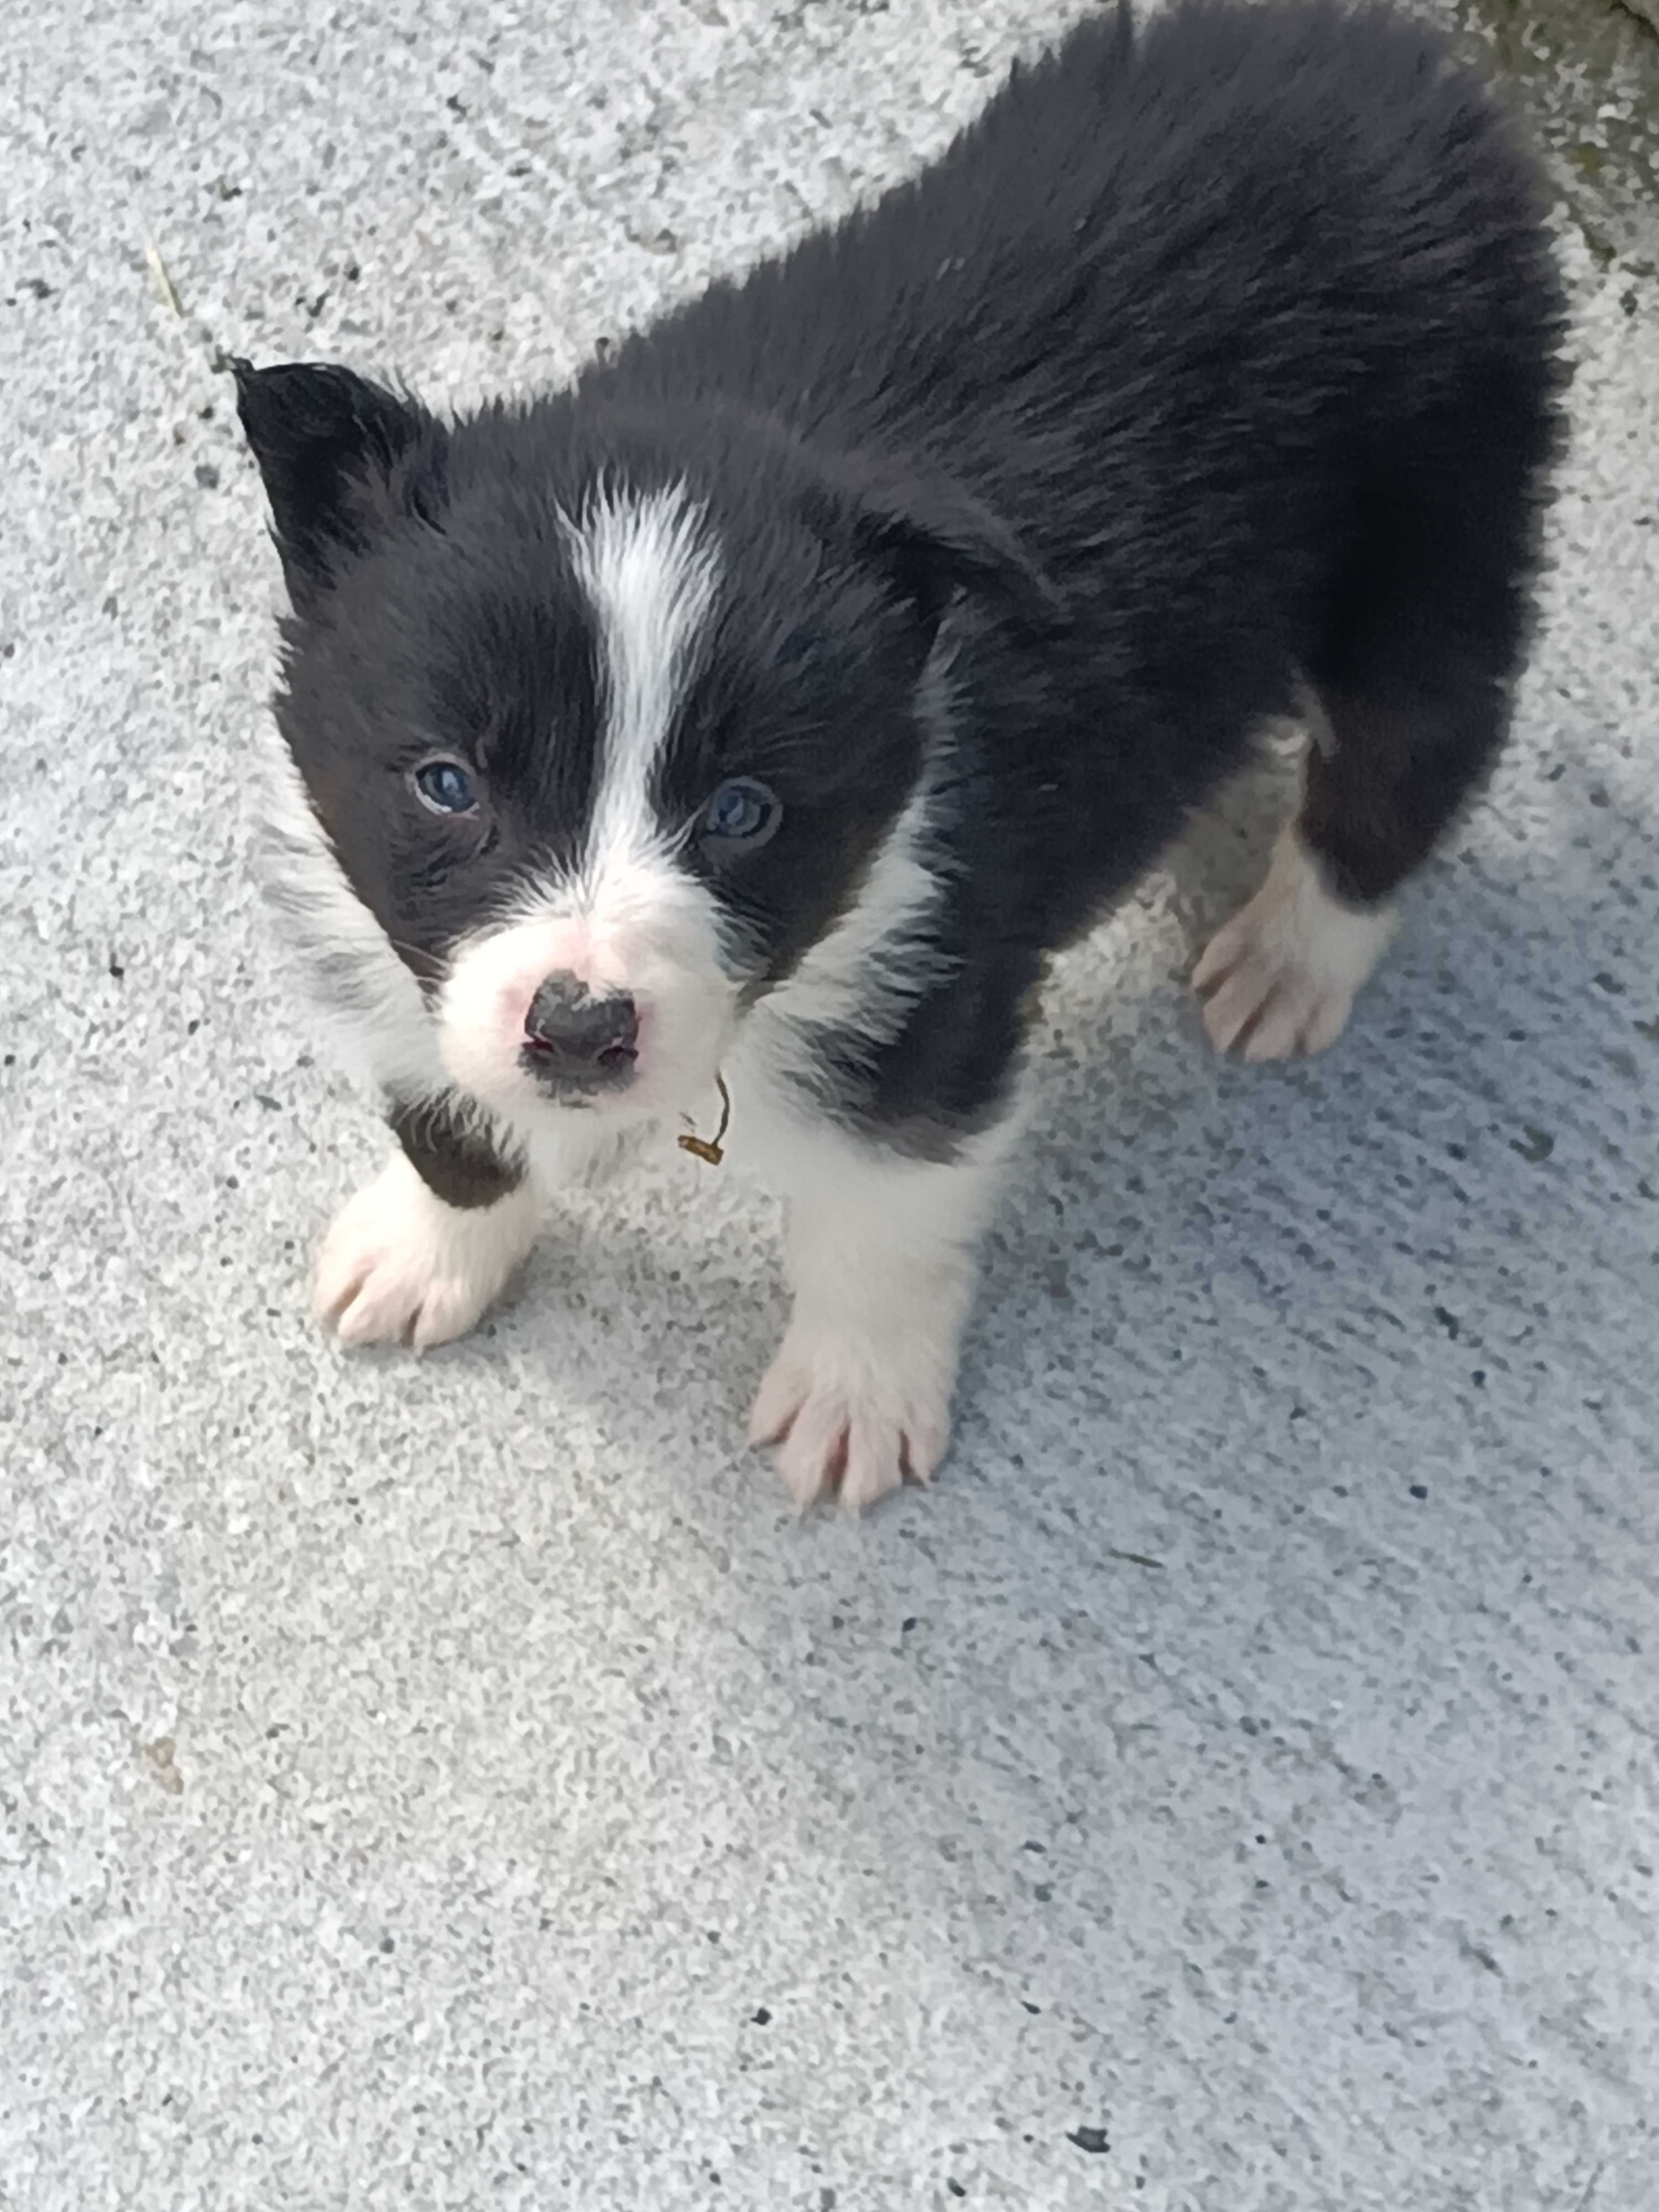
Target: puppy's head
[602,717]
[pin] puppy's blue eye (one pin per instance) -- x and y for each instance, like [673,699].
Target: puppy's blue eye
[741,812]
[446,787]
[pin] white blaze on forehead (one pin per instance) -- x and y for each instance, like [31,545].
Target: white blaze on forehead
[646,563]
[628,918]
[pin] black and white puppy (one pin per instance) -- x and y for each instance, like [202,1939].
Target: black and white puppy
[773,701]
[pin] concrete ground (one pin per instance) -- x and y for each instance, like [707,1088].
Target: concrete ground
[1235,1788]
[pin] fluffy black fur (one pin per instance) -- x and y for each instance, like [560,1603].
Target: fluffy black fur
[1208,360]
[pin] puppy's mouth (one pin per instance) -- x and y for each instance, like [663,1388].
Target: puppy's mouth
[612,1071]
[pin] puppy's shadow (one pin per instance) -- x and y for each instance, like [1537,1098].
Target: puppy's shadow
[1204,1246]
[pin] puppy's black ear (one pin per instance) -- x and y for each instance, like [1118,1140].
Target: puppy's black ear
[335,451]
[938,540]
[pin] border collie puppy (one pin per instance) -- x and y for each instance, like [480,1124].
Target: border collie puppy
[768,704]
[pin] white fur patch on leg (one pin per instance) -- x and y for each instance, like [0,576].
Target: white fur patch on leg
[400,1266]
[882,1260]
[1281,977]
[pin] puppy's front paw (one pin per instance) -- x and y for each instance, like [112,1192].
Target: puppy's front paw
[399,1266]
[1281,977]
[851,1417]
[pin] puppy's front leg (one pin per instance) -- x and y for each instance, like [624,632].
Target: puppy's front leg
[416,1256]
[881,1258]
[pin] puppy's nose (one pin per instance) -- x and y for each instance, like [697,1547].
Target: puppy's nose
[573,1040]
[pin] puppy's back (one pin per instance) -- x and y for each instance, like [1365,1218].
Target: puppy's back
[1188,212]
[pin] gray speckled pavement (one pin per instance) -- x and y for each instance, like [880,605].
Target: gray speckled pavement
[1235,1788]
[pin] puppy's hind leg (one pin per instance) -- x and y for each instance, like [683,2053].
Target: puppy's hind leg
[1412,677]
[1282,975]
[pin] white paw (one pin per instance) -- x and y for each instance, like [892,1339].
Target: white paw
[1281,977]
[851,1418]
[399,1266]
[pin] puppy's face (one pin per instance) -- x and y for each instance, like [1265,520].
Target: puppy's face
[603,740]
